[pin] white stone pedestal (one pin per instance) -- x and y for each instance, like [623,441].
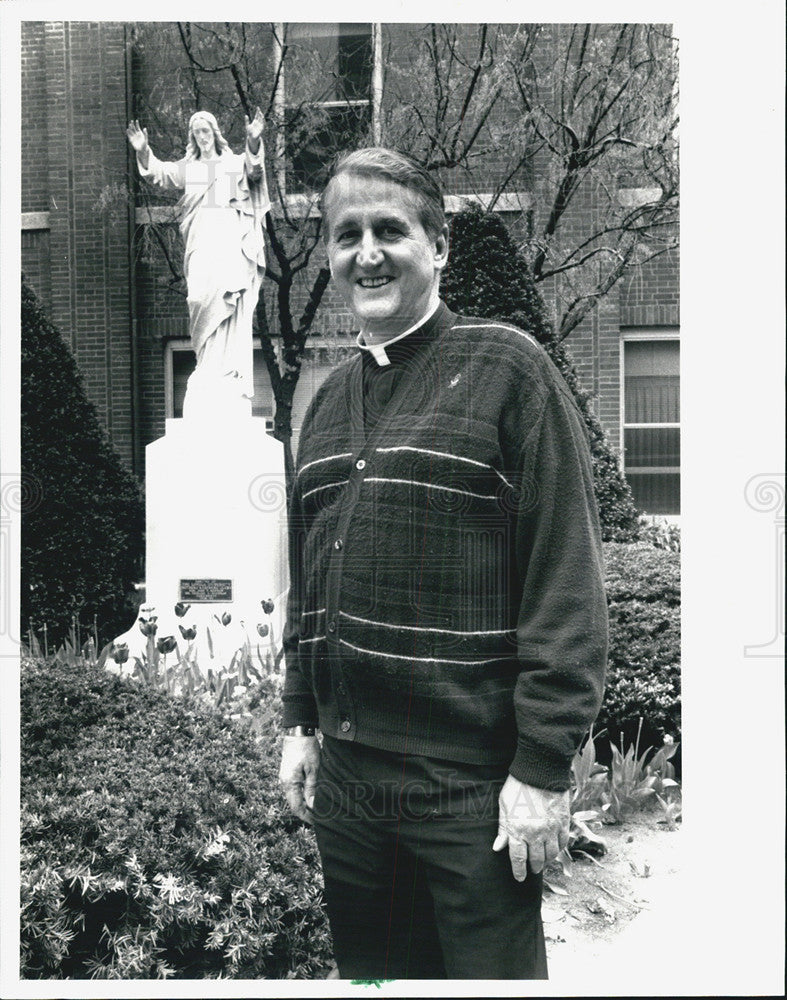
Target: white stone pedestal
[216,518]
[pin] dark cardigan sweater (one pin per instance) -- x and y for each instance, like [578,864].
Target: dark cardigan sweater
[447,590]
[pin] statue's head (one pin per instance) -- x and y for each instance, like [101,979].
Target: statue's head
[205,138]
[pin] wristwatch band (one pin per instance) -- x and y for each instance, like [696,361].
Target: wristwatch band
[299,731]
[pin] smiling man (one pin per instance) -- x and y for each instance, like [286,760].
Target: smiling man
[447,622]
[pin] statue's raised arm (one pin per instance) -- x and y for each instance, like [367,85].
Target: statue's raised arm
[222,219]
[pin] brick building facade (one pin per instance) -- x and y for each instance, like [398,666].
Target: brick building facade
[82,82]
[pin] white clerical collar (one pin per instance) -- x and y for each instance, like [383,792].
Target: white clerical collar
[378,351]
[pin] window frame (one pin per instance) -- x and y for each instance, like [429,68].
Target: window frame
[645,335]
[373,101]
[174,344]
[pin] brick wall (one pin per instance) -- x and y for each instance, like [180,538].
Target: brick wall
[73,147]
[650,296]
[36,265]
[34,120]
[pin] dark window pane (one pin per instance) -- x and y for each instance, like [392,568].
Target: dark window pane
[652,399]
[183,366]
[316,135]
[328,62]
[657,493]
[651,447]
[355,61]
[652,357]
[652,381]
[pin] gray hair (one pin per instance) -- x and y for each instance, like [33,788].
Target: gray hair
[388,164]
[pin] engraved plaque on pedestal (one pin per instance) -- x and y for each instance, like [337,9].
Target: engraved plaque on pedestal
[206,591]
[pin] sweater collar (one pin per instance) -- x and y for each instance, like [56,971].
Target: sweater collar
[421,331]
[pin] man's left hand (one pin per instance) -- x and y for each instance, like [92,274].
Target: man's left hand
[533,823]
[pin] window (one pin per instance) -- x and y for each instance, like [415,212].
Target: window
[651,420]
[328,81]
[180,364]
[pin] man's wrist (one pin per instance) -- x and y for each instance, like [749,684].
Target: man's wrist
[298,730]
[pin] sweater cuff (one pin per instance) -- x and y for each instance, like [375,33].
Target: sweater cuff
[540,768]
[298,714]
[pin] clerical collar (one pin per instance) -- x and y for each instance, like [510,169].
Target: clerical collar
[379,352]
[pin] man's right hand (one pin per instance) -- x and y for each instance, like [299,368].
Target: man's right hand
[300,758]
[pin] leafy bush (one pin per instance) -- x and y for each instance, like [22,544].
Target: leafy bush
[83,519]
[487,276]
[154,840]
[643,678]
[658,532]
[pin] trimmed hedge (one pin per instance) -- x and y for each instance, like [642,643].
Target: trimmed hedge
[643,677]
[155,842]
[488,276]
[83,515]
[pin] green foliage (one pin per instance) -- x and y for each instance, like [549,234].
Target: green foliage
[630,784]
[589,783]
[588,778]
[633,780]
[661,534]
[488,276]
[155,843]
[83,516]
[643,673]
[612,794]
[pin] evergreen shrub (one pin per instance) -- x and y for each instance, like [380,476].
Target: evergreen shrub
[83,514]
[487,276]
[643,676]
[155,842]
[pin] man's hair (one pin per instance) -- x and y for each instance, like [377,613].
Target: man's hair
[387,164]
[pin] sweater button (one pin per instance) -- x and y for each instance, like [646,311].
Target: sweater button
[338,544]
[346,726]
[331,626]
[360,465]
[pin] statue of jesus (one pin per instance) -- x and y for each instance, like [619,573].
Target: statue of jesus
[222,219]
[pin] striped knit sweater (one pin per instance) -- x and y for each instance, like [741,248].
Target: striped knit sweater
[447,592]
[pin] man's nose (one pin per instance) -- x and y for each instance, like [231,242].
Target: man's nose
[369,252]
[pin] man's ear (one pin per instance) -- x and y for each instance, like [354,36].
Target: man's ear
[441,248]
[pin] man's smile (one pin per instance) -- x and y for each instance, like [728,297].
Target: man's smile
[374,282]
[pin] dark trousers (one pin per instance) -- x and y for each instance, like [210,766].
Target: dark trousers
[413,888]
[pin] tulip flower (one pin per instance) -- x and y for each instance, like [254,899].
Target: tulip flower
[267,606]
[166,644]
[119,652]
[148,627]
[188,633]
[225,619]
[262,630]
[181,609]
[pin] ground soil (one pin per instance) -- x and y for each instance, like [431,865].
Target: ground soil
[616,901]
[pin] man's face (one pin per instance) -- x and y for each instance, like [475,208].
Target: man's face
[384,264]
[202,131]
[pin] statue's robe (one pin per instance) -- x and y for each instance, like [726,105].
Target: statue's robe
[222,217]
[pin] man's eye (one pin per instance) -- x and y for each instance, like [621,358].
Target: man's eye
[391,232]
[346,237]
